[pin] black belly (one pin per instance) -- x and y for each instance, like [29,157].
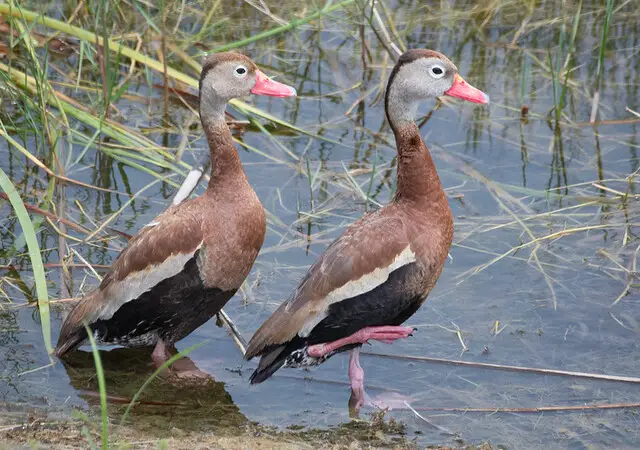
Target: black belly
[170,311]
[390,303]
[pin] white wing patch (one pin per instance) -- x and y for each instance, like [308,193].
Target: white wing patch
[365,283]
[137,283]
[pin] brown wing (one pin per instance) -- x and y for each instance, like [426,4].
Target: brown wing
[177,230]
[369,244]
[159,250]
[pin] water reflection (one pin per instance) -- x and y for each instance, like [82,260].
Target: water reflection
[165,402]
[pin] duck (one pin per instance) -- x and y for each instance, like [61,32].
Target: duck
[179,270]
[376,275]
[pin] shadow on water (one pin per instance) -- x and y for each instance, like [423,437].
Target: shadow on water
[163,405]
[543,271]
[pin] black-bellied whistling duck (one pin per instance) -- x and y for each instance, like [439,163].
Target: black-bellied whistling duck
[380,271]
[181,269]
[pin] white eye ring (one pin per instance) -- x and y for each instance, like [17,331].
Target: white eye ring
[437,71]
[240,71]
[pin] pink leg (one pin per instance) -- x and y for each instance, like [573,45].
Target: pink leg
[359,397]
[183,368]
[160,354]
[356,376]
[386,334]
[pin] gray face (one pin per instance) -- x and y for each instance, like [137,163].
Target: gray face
[227,79]
[424,78]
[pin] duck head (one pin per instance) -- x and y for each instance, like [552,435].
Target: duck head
[420,75]
[232,75]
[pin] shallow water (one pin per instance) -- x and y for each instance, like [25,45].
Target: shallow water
[553,301]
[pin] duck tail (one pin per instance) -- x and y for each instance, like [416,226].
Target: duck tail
[274,358]
[269,364]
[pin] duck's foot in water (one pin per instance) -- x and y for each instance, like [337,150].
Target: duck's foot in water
[386,334]
[182,369]
[359,397]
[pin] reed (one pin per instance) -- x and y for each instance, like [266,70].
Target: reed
[608,14]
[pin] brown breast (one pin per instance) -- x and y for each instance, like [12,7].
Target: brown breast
[234,227]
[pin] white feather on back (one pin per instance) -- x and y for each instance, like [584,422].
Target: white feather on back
[365,283]
[137,283]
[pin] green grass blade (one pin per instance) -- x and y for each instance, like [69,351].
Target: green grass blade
[603,44]
[570,50]
[34,253]
[156,65]
[141,10]
[283,28]
[87,436]
[158,371]
[102,388]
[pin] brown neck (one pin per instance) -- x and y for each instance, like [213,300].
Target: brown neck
[418,179]
[225,162]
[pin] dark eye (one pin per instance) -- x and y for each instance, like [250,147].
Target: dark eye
[437,71]
[240,71]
